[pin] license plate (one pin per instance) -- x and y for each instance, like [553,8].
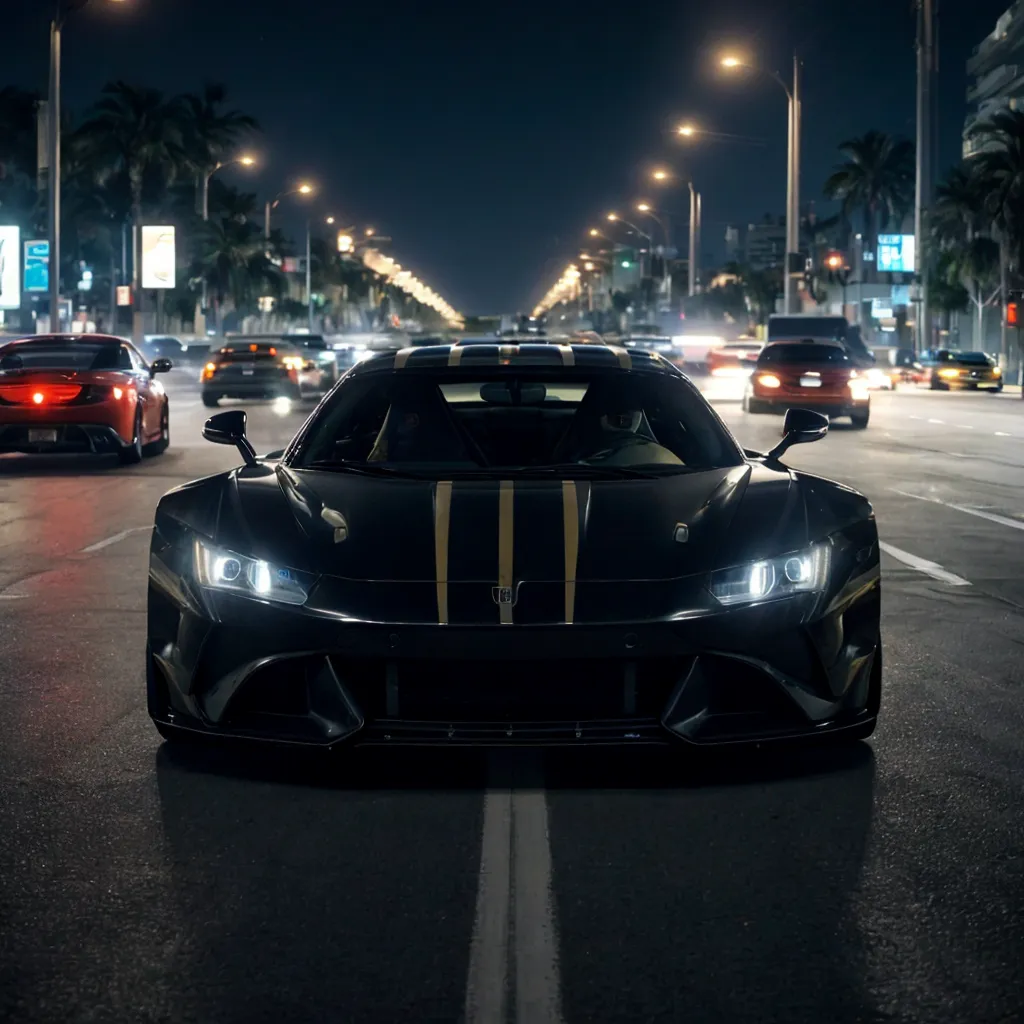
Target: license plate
[42,436]
[810,382]
[247,373]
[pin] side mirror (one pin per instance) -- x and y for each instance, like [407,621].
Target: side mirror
[161,365]
[800,427]
[229,428]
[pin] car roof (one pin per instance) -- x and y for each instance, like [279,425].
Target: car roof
[823,342]
[64,339]
[534,355]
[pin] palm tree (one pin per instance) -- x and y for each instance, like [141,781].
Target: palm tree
[958,212]
[876,182]
[134,133]
[210,133]
[235,265]
[999,167]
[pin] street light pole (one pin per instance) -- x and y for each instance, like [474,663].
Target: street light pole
[692,255]
[53,156]
[792,294]
[922,199]
[309,277]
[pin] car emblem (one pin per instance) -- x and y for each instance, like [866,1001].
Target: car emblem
[337,520]
[681,534]
[505,595]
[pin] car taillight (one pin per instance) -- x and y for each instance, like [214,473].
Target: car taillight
[118,393]
[769,380]
[35,394]
[208,371]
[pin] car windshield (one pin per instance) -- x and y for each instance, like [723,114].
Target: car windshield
[75,355]
[803,355]
[429,423]
[972,358]
[830,327]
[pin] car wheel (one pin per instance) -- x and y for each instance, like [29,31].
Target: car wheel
[164,442]
[133,452]
[752,405]
[995,391]
[211,401]
[860,418]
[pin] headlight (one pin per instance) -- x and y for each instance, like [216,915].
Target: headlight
[220,569]
[949,372]
[769,380]
[996,371]
[293,362]
[800,572]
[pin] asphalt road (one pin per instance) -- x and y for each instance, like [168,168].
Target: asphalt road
[882,883]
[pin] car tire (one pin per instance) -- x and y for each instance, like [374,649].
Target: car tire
[752,405]
[938,386]
[860,419]
[161,445]
[132,453]
[996,391]
[211,401]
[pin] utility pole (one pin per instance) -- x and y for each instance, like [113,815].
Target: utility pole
[794,272]
[53,157]
[926,62]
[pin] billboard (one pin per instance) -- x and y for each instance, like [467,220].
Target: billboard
[896,254]
[10,266]
[157,256]
[37,265]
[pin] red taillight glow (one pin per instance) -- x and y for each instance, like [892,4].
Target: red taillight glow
[38,397]
[35,394]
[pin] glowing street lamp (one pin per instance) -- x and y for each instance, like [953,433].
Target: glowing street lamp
[329,220]
[687,130]
[303,189]
[732,62]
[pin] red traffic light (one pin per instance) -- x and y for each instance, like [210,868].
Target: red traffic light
[1011,314]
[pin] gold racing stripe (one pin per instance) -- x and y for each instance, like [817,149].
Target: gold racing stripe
[571,533]
[402,357]
[568,356]
[442,519]
[625,359]
[455,356]
[506,506]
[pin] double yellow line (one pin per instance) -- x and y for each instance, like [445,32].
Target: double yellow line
[506,545]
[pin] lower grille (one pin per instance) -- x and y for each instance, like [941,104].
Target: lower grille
[526,693]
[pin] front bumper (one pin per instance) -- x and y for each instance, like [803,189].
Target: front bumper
[828,405]
[258,389]
[69,438]
[290,676]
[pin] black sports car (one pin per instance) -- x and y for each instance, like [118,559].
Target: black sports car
[514,544]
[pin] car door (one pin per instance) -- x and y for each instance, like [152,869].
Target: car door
[149,400]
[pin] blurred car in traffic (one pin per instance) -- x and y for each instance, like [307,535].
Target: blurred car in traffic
[252,369]
[88,393]
[693,351]
[729,370]
[178,350]
[965,371]
[817,375]
[318,365]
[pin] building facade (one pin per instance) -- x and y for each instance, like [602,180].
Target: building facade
[996,73]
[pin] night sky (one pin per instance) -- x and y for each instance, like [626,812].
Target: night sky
[486,138]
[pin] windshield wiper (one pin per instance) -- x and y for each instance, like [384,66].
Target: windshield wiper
[359,468]
[582,469]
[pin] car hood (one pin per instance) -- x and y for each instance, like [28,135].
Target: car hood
[393,530]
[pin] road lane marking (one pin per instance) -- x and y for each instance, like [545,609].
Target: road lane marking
[1002,433]
[116,538]
[936,421]
[932,569]
[514,948]
[992,517]
[487,983]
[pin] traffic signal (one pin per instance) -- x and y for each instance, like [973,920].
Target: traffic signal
[1013,304]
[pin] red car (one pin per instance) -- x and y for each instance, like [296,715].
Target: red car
[81,393]
[816,375]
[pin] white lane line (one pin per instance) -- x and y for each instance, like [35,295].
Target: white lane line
[514,932]
[932,569]
[536,947]
[992,517]
[116,538]
[1002,433]
[936,421]
[964,426]
[487,983]
[915,417]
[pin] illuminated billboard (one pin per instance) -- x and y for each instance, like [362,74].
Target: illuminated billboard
[37,265]
[10,266]
[157,256]
[896,254]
